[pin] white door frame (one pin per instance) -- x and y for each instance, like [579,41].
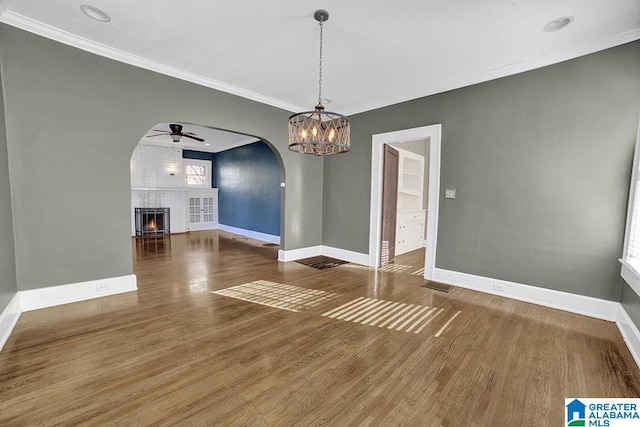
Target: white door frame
[432,132]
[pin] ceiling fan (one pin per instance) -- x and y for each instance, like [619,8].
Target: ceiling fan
[176,133]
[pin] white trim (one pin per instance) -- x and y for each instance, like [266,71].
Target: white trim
[629,332]
[64,294]
[580,304]
[330,251]
[53,33]
[345,255]
[630,275]
[25,23]
[301,253]
[250,233]
[628,272]
[433,133]
[8,319]
[632,193]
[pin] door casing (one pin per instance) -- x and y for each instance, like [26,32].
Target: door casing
[433,133]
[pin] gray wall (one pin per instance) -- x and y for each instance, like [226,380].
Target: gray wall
[541,163]
[631,302]
[73,120]
[8,285]
[540,160]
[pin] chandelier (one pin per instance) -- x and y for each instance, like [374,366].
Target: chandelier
[319,132]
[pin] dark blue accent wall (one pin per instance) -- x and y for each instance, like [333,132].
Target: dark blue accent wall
[248,182]
[248,179]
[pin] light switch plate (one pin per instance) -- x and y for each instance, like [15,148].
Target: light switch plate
[450,193]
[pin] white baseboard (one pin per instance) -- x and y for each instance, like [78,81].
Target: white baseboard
[630,333]
[8,319]
[302,253]
[64,294]
[329,251]
[580,304]
[345,255]
[250,233]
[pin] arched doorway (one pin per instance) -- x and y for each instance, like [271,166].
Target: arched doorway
[202,178]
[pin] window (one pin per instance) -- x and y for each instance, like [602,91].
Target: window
[633,244]
[631,252]
[196,175]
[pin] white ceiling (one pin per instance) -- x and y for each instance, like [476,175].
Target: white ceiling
[376,52]
[214,140]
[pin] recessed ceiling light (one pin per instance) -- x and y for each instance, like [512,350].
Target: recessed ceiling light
[326,101]
[558,24]
[206,143]
[95,13]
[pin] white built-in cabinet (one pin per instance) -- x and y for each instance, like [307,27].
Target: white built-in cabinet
[411,218]
[202,209]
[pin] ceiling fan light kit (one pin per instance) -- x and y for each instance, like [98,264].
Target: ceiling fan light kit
[176,133]
[319,132]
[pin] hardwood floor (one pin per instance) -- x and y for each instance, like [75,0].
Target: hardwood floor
[176,353]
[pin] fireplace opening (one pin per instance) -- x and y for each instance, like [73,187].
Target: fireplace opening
[152,222]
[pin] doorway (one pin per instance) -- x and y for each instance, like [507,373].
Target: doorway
[210,179]
[433,133]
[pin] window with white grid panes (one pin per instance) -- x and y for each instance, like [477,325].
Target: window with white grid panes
[631,253]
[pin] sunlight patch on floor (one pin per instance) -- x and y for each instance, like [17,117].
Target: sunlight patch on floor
[389,314]
[278,295]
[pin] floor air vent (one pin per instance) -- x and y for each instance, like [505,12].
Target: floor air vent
[438,286]
[321,262]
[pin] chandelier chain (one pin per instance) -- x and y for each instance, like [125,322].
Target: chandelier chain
[320,78]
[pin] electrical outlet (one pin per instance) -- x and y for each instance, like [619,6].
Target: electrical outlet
[450,193]
[102,287]
[498,287]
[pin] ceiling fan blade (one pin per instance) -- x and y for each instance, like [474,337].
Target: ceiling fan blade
[158,134]
[193,137]
[188,133]
[162,130]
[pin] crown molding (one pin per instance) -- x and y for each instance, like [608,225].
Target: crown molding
[507,70]
[36,27]
[20,21]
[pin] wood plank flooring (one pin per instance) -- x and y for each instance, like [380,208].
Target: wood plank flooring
[177,353]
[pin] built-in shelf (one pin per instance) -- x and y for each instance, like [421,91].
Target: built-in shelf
[411,218]
[410,181]
[410,192]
